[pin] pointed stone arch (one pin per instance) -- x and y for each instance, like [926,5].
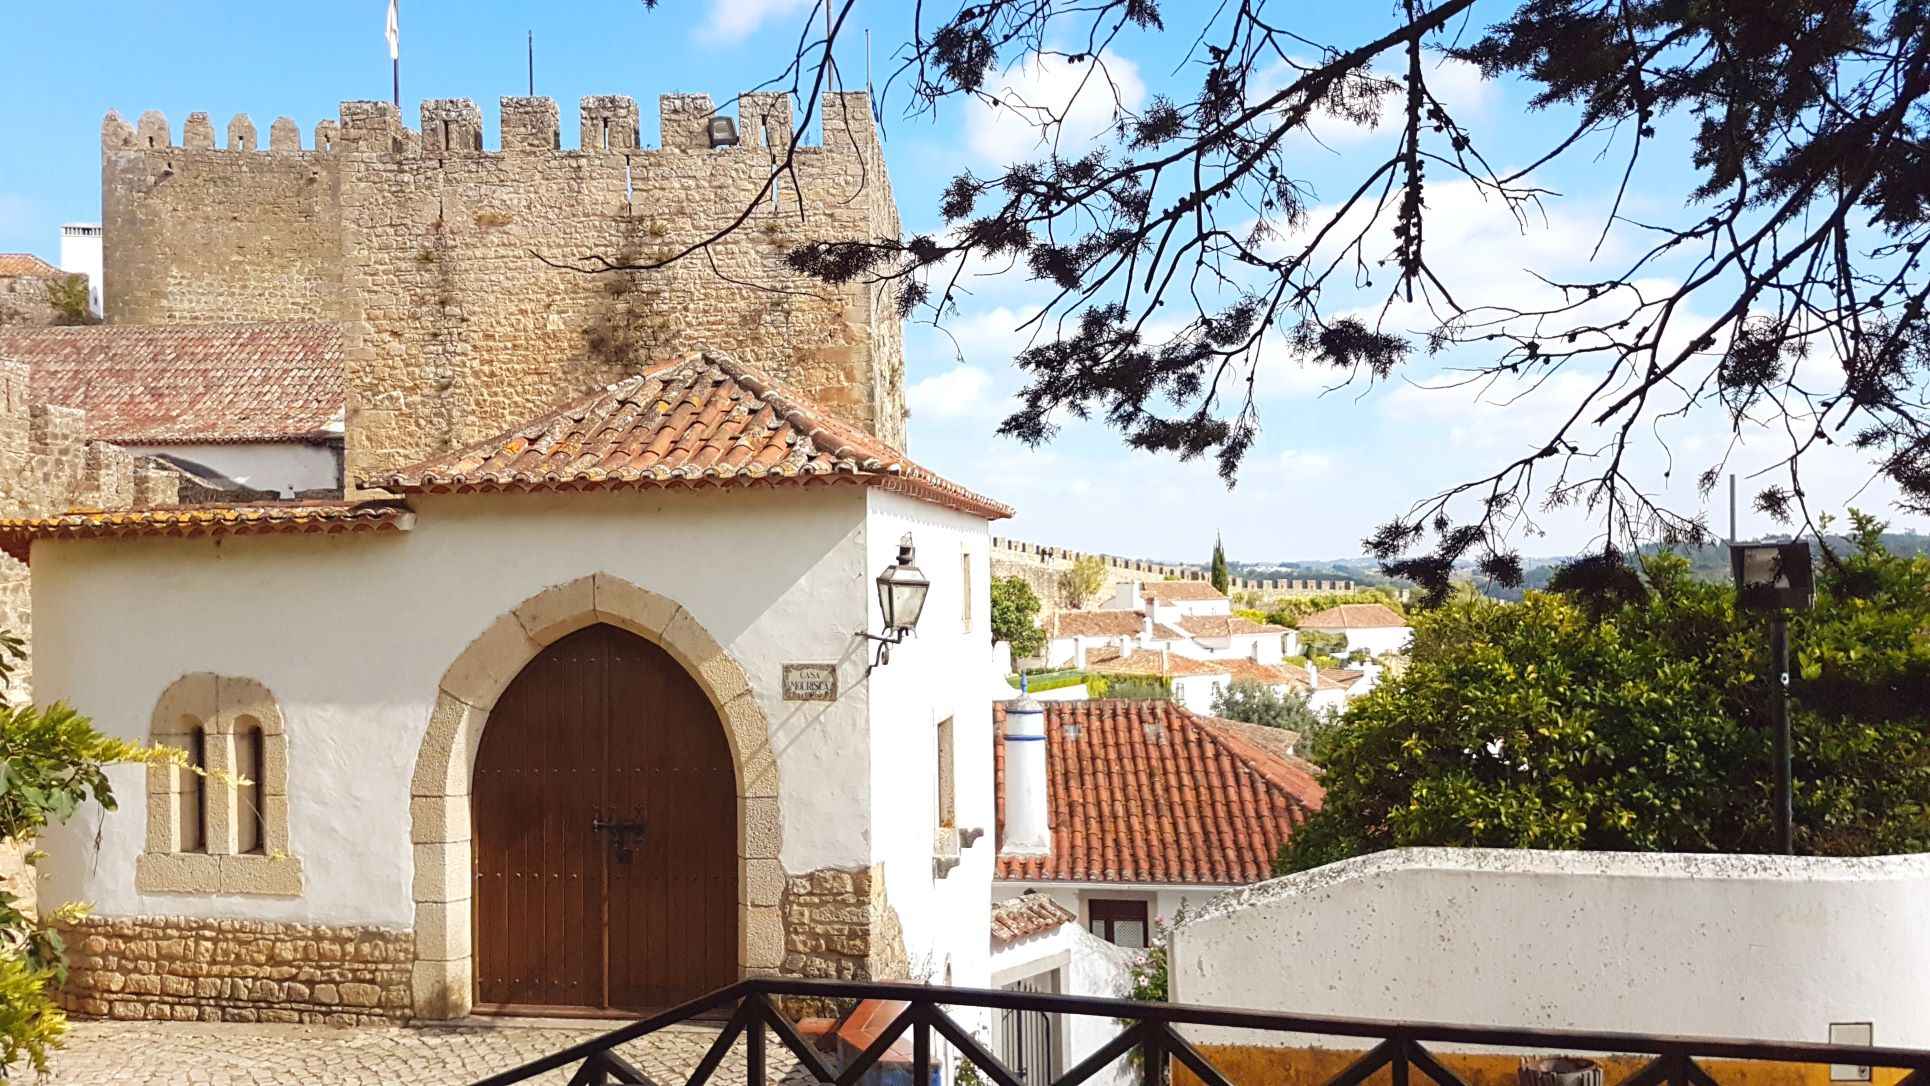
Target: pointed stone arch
[439,820]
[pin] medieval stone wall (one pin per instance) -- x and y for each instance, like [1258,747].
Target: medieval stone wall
[439,255]
[184,969]
[838,926]
[27,299]
[1044,568]
[47,465]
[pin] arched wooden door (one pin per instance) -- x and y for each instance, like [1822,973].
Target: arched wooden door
[605,833]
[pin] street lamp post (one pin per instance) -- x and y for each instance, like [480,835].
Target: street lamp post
[1775,579]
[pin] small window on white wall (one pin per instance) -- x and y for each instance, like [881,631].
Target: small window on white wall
[218,813]
[965,590]
[191,826]
[947,792]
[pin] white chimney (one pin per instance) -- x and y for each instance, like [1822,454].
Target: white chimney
[1079,651]
[1126,645]
[1165,658]
[1313,676]
[1146,627]
[1028,829]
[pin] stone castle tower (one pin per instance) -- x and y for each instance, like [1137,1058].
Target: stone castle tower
[438,256]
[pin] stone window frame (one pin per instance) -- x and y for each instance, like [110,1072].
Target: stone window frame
[442,978]
[220,706]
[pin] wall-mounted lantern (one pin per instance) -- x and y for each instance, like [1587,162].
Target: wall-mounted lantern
[902,588]
[723,132]
[1775,579]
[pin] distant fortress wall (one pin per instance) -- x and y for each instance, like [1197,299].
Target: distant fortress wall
[1043,567]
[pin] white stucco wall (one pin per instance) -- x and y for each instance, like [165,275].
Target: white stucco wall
[353,634]
[1086,966]
[937,673]
[285,467]
[1735,946]
[1377,639]
[1195,692]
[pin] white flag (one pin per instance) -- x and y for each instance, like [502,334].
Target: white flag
[393,33]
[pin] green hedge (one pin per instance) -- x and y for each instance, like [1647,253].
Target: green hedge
[1040,682]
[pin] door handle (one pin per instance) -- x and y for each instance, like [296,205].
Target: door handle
[621,836]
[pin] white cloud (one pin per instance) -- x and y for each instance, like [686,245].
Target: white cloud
[1084,96]
[1302,462]
[958,392]
[734,20]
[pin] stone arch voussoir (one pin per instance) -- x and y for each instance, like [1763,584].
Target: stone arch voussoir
[439,790]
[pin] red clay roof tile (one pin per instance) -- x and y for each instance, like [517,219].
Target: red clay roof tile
[1353,616]
[18,533]
[1144,791]
[705,420]
[1027,914]
[191,383]
[16,265]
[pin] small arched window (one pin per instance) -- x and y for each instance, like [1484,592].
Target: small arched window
[191,821]
[218,824]
[250,831]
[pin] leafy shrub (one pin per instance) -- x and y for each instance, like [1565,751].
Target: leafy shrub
[1259,703]
[1015,617]
[1644,725]
[1130,687]
[1041,681]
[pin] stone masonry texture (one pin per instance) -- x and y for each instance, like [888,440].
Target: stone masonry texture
[838,926]
[185,969]
[47,465]
[439,256]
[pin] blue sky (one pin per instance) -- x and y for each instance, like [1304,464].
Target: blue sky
[1330,464]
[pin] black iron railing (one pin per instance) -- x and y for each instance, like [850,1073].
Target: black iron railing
[1151,1029]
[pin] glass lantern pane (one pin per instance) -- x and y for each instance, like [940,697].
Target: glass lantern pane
[911,601]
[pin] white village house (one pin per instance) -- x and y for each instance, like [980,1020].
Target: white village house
[1186,634]
[623,646]
[1372,628]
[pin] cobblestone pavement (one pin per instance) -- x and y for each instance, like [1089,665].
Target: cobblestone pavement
[172,1053]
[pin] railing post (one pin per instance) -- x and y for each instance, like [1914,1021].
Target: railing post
[1152,1058]
[754,1048]
[921,1052]
[1398,1066]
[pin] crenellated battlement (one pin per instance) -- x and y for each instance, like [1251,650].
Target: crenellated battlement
[452,249]
[606,124]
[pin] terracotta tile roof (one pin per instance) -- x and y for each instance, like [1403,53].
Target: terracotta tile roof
[1108,661]
[1027,914]
[1243,668]
[1108,623]
[14,265]
[705,420]
[1352,616]
[1169,591]
[1144,791]
[18,533]
[1341,677]
[1287,769]
[1225,626]
[189,383]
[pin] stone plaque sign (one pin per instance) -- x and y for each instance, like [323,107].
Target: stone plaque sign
[810,682]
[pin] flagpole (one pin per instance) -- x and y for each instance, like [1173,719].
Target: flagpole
[395,54]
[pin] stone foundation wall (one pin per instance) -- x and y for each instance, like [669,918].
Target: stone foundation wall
[838,926]
[189,969]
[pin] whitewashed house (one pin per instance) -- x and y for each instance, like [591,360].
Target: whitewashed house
[1122,811]
[1373,628]
[627,650]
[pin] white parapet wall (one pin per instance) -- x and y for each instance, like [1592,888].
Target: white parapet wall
[1759,947]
